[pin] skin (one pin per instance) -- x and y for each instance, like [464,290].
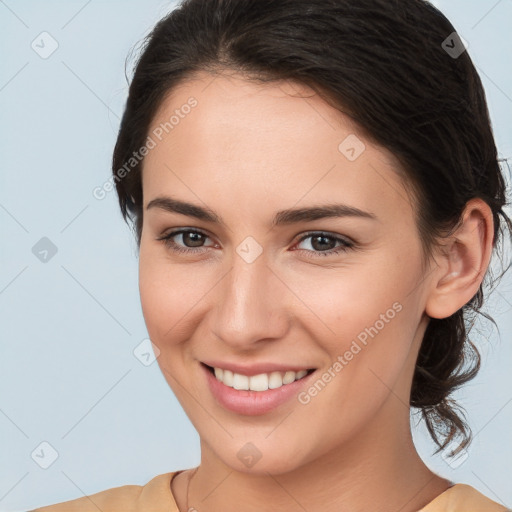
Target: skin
[246,151]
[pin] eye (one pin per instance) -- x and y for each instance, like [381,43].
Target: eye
[192,242]
[323,244]
[188,236]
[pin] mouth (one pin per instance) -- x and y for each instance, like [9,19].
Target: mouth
[255,394]
[259,383]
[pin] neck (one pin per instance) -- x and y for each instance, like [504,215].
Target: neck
[378,470]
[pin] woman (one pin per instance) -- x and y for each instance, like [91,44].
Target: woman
[316,197]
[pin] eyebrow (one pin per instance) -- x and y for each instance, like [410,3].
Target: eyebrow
[281,218]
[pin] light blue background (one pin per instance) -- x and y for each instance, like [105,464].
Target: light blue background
[69,326]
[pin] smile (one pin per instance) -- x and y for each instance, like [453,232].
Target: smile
[260,382]
[259,393]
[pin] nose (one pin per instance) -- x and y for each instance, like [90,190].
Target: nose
[250,305]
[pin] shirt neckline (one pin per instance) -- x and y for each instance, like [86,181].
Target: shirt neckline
[430,503]
[169,488]
[440,496]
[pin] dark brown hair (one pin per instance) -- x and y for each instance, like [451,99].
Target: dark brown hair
[399,71]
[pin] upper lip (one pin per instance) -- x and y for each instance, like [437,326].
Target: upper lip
[255,368]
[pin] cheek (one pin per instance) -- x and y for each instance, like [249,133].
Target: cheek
[344,302]
[173,297]
[366,317]
[163,294]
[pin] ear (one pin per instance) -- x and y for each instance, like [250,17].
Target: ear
[462,261]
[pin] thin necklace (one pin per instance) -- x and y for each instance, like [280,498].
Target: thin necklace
[188,484]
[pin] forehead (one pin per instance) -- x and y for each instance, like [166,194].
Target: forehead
[275,142]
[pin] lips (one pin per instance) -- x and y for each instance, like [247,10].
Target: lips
[251,402]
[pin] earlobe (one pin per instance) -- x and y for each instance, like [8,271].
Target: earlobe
[462,262]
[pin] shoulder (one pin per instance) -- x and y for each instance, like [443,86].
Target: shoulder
[461,498]
[127,498]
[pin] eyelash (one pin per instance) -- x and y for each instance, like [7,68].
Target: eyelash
[167,240]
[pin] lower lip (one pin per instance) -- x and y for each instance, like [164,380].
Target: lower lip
[252,403]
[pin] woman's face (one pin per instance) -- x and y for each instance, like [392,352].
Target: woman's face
[272,283]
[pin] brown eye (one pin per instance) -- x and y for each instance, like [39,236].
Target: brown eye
[191,241]
[324,244]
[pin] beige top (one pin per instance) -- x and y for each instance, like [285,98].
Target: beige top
[156,496]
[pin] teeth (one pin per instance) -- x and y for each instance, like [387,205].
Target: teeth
[227,377]
[258,382]
[288,377]
[240,381]
[275,380]
[261,382]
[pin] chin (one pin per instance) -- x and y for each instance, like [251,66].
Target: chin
[260,458]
